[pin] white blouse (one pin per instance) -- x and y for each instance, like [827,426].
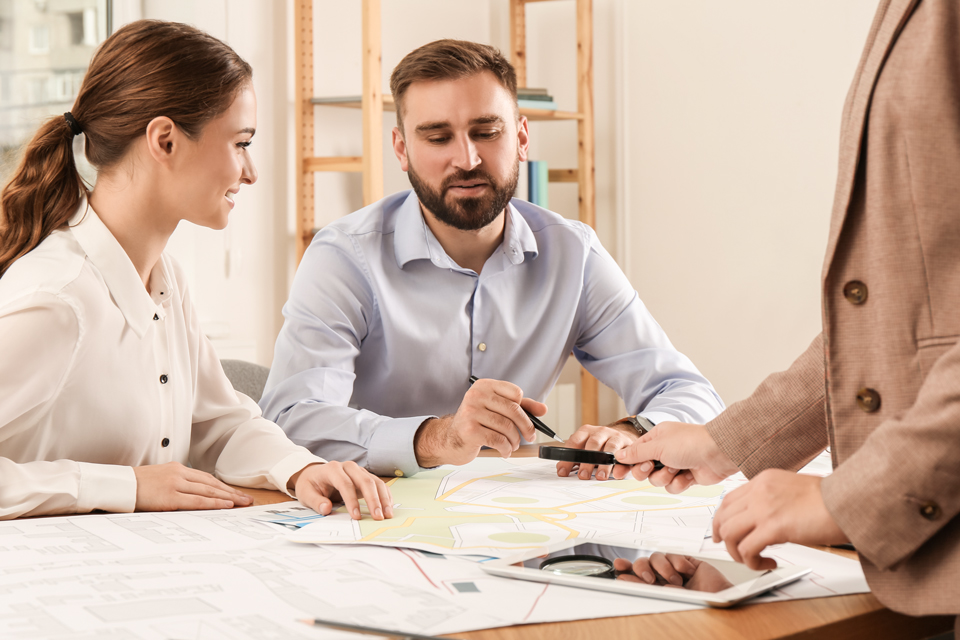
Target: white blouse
[98,376]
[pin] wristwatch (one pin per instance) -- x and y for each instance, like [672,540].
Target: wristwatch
[641,424]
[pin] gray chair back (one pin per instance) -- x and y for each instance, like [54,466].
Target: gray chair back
[246,377]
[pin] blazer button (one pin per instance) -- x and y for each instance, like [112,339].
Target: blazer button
[930,510]
[868,400]
[855,292]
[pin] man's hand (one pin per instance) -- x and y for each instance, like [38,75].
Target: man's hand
[776,506]
[172,486]
[688,453]
[609,438]
[672,570]
[318,485]
[490,415]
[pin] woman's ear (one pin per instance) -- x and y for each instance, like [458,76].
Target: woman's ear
[163,139]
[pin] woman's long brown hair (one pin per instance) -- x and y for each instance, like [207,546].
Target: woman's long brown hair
[146,69]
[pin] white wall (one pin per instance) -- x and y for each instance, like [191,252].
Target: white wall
[732,138]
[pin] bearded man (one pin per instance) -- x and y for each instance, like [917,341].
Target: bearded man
[396,306]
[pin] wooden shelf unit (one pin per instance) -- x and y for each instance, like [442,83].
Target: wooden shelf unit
[373,102]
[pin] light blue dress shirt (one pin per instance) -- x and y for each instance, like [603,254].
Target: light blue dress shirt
[383,330]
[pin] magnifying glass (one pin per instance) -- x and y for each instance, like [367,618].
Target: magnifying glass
[583,456]
[580,565]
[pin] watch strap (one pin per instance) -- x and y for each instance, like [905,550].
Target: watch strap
[641,424]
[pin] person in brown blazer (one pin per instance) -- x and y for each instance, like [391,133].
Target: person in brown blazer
[881,384]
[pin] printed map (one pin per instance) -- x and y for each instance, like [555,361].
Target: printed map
[495,507]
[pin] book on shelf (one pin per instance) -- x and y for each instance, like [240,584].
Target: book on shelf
[537,104]
[537,179]
[528,98]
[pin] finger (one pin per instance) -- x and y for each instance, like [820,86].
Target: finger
[681,564]
[202,477]
[536,408]
[194,502]
[586,471]
[600,441]
[666,570]
[366,484]
[514,413]
[579,437]
[310,496]
[642,569]
[620,471]
[681,482]
[733,531]
[731,506]
[386,498]
[663,477]
[348,492]
[640,471]
[643,449]
[751,546]
[629,577]
[496,440]
[564,468]
[188,487]
[501,424]
[621,564]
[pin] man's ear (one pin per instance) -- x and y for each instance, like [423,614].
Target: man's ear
[523,138]
[163,139]
[400,148]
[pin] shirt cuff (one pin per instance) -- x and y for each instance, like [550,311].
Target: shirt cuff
[391,451]
[656,417]
[108,487]
[281,472]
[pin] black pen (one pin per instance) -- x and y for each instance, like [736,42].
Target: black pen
[537,424]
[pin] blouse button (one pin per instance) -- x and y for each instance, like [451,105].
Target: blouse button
[165,442]
[163,379]
[156,317]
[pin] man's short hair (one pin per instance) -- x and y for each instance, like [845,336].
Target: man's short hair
[449,60]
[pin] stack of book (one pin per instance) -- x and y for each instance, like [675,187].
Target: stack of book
[528,98]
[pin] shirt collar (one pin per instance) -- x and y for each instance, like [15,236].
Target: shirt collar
[137,306]
[413,239]
[518,239]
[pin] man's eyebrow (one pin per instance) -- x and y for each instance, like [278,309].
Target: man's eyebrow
[432,126]
[487,120]
[443,124]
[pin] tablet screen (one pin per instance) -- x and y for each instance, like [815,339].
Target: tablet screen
[599,561]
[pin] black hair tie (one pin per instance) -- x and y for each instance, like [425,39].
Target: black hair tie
[74,125]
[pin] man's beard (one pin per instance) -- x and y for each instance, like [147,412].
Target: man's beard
[466,214]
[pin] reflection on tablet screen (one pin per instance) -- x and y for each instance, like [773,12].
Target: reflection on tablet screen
[645,566]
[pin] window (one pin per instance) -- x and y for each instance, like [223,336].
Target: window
[39,39]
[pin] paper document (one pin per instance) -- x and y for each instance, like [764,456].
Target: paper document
[497,507]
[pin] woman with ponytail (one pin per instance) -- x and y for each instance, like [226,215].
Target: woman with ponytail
[111,398]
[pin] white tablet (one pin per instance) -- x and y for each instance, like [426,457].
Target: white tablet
[590,565]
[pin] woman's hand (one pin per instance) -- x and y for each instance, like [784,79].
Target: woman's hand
[172,487]
[319,485]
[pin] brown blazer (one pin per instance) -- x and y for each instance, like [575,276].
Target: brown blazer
[881,383]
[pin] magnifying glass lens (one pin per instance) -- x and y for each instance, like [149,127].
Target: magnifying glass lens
[578,568]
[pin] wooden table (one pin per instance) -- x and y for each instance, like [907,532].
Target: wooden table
[853,617]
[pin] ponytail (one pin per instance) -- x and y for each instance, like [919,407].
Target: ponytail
[43,194]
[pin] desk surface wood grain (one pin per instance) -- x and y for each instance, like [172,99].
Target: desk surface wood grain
[853,617]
